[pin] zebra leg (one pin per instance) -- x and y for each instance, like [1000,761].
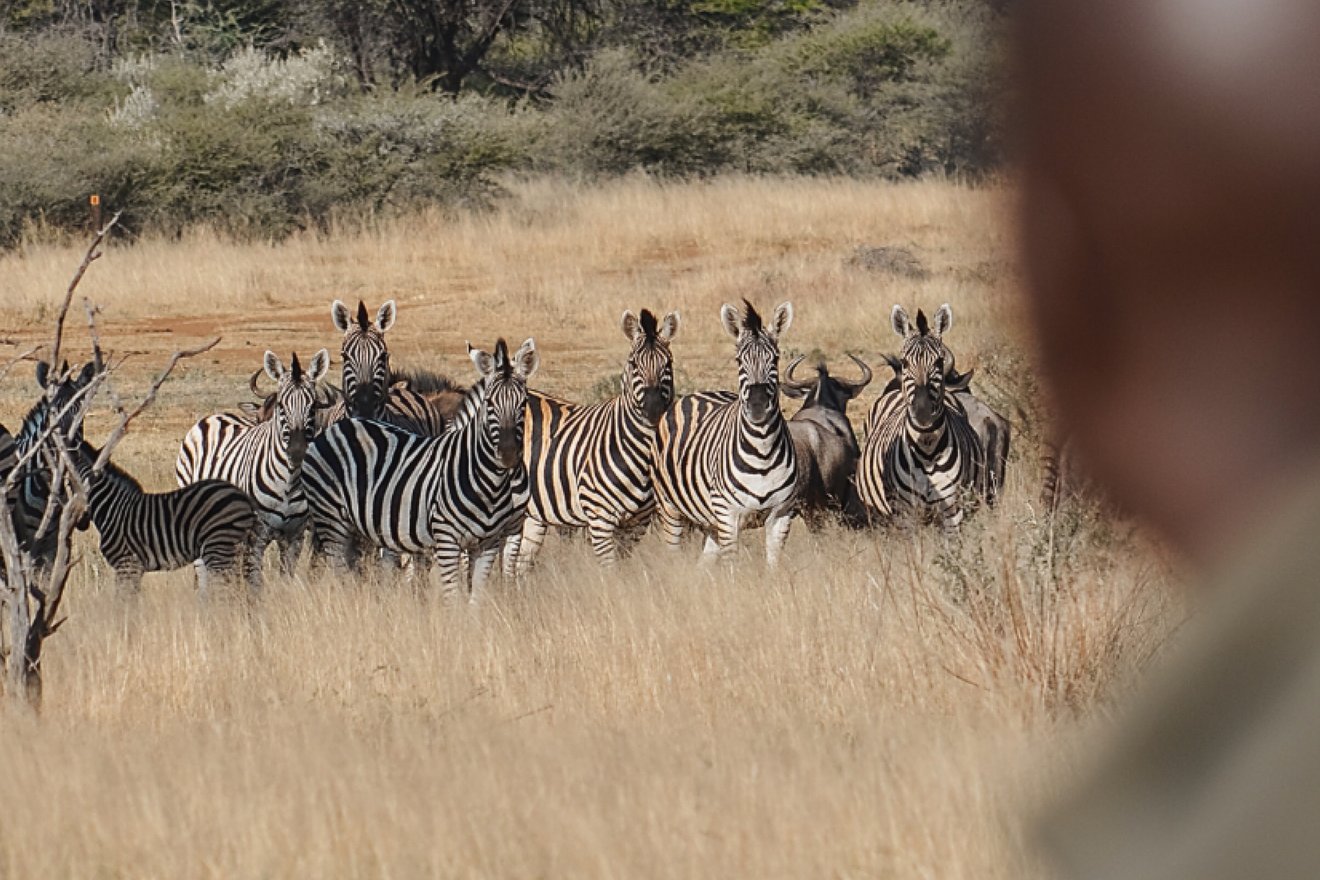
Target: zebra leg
[480,563]
[671,528]
[722,539]
[290,552]
[776,532]
[604,541]
[448,562]
[509,560]
[529,544]
[128,577]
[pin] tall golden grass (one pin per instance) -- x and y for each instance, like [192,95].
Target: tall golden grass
[891,703]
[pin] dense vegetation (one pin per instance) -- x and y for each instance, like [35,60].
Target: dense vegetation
[260,117]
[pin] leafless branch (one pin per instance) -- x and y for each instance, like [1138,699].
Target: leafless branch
[93,252]
[81,396]
[19,358]
[126,418]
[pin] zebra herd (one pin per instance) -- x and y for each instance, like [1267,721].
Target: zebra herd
[397,467]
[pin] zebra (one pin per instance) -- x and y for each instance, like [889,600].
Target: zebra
[60,395]
[921,456]
[371,389]
[8,461]
[724,461]
[460,495]
[265,458]
[992,430]
[208,522]
[590,466]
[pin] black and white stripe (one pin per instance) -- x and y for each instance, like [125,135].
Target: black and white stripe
[921,457]
[726,462]
[459,495]
[590,466]
[371,389]
[263,458]
[59,400]
[208,522]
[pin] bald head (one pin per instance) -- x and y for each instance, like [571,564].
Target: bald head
[1172,171]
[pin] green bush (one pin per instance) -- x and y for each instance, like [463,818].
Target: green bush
[261,143]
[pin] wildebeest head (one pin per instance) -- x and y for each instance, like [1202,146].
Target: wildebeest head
[825,391]
[649,378]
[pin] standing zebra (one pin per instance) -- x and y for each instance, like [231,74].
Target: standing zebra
[590,466]
[724,462]
[371,389]
[921,456]
[59,400]
[8,461]
[8,454]
[459,495]
[265,458]
[208,522]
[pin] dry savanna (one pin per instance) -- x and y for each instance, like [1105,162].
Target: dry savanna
[889,703]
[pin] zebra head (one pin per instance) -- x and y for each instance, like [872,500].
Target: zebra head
[758,357]
[366,358]
[650,373]
[60,388]
[926,365]
[504,389]
[295,400]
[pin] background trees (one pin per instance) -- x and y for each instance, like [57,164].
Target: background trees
[259,117]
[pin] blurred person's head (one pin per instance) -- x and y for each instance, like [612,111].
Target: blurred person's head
[1171,221]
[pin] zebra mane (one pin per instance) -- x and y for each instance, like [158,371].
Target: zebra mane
[363,321]
[111,470]
[923,326]
[295,369]
[470,406]
[650,325]
[751,317]
[503,365]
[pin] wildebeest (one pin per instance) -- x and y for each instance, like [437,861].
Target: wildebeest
[827,449]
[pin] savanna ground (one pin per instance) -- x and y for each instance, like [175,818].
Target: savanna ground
[889,704]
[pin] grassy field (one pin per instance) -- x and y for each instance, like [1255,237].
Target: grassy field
[888,704]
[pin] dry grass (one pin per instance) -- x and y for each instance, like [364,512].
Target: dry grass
[889,704]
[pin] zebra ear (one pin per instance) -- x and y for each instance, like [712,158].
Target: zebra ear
[943,319]
[385,317]
[526,359]
[900,321]
[43,373]
[731,318]
[340,315]
[320,363]
[668,327]
[483,361]
[782,320]
[629,324]
[274,368]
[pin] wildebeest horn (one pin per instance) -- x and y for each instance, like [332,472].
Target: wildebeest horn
[252,383]
[791,382]
[867,375]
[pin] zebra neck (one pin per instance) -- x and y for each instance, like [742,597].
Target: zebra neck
[927,440]
[766,437]
[111,484]
[629,417]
